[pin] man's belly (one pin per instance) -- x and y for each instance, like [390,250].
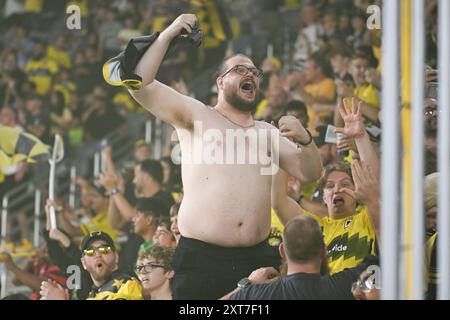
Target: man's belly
[223,221]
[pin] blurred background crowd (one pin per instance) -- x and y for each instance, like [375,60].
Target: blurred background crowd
[312,54]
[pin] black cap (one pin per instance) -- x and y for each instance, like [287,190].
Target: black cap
[97,235]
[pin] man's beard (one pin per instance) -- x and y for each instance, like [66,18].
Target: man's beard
[233,98]
[103,275]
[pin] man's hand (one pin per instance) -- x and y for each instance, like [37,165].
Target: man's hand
[354,125]
[51,290]
[366,182]
[109,181]
[7,260]
[263,275]
[292,129]
[183,22]
[56,234]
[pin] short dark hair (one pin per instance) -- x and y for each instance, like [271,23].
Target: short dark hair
[339,166]
[322,63]
[366,52]
[151,206]
[295,105]
[153,168]
[223,67]
[303,239]
[343,50]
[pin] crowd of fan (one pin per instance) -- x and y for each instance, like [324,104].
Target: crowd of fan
[51,82]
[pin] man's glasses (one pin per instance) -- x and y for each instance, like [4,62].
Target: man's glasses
[147,267]
[243,71]
[90,252]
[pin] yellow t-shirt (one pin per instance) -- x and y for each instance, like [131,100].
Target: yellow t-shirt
[99,223]
[349,240]
[66,90]
[120,288]
[324,89]
[124,99]
[262,105]
[432,267]
[34,6]
[369,94]
[40,73]
[60,57]
[276,223]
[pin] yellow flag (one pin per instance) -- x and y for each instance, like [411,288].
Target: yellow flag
[16,146]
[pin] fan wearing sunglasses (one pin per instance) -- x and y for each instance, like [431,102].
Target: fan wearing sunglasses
[100,259]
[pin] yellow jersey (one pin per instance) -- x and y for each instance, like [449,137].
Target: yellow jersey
[349,240]
[40,72]
[369,94]
[324,89]
[120,287]
[60,57]
[432,268]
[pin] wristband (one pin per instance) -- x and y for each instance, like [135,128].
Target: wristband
[309,141]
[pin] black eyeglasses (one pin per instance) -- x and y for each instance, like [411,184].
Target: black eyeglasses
[243,71]
[90,252]
[147,267]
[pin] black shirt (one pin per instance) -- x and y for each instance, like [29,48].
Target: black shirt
[305,286]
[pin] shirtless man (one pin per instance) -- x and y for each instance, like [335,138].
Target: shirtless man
[224,218]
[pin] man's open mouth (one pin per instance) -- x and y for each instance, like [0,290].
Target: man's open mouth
[338,201]
[248,87]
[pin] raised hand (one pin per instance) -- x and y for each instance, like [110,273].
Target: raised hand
[292,129]
[183,22]
[354,125]
[367,184]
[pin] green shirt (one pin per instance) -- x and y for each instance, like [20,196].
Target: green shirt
[146,245]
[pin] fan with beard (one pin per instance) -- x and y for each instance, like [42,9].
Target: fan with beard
[233,98]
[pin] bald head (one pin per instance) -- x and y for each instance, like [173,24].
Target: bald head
[303,239]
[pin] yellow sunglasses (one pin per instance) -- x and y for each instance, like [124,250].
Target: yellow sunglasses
[90,252]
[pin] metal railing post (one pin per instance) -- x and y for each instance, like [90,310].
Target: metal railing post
[3,243]
[37,213]
[418,167]
[158,139]
[443,226]
[148,131]
[390,160]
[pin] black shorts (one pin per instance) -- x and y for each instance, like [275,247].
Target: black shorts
[207,272]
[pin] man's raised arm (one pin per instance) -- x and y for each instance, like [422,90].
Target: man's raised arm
[303,163]
[159,99]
